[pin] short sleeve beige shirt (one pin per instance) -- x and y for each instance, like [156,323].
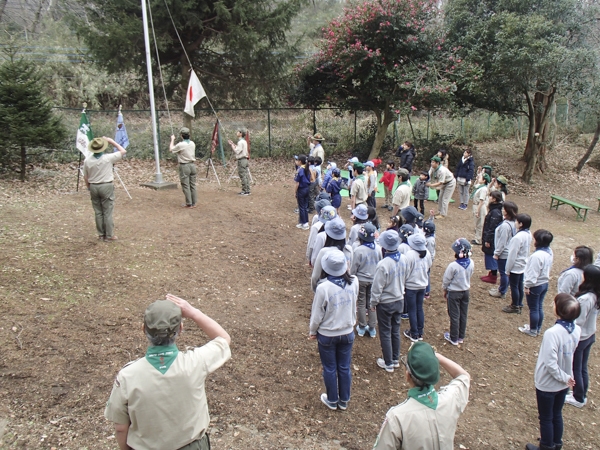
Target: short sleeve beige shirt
[402,196]
[411,425]
[359,190]
[100,170]
[241,149]
[167,411]
[186,152]
[481,195]
[444,175]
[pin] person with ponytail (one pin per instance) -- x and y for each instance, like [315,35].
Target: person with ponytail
[588,297]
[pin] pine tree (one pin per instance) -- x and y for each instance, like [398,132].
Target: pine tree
[26,117]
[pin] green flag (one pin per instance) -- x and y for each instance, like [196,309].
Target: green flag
[84,135]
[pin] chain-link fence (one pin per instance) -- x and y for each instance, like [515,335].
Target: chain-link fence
[276,132]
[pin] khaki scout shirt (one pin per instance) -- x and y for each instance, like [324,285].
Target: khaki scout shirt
[186,151]
[402,195]
[359,189]
[442,174]
[412,425]
[241,149]
[166,410]
[100,170]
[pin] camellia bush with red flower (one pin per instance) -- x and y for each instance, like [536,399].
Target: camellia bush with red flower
[385,56]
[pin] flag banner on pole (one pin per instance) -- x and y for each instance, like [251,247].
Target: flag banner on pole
[215,138]
[195,93]
[248,142]
[121,137]
[84,135]
[221,144]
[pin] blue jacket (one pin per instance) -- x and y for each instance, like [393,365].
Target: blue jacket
[465,170]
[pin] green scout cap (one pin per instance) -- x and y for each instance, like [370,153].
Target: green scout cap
[97,145]
[486,177]
[488,168]
[184,130]
[358,165]
[423,363]
[402,171]
[502,179]
[437,159]
[162,318]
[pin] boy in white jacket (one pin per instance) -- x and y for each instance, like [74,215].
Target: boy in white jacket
[554,371]
[518,252]
[536,277]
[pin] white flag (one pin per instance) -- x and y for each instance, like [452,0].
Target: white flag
[84,135]
[195,93]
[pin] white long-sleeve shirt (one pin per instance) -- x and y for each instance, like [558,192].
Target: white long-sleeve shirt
[537,269]
[518,252]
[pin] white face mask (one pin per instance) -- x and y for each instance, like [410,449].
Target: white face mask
[572,259]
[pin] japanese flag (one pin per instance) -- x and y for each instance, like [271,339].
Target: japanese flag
[195,93]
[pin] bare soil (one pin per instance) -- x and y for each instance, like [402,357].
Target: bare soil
[72,311]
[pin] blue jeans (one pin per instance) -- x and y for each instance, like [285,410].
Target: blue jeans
[503,276]
[414,305]
[550,405]
[388,318]
[535,302]
[302,197]
[336,353]
[490,262]
[580,370]
[516,288]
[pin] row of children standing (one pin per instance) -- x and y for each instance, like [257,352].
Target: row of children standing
[363,280]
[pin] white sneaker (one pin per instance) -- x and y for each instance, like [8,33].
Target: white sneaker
[381,363]
[571,401]
[299,225]
[305,226]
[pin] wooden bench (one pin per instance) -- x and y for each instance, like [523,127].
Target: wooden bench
[557,200]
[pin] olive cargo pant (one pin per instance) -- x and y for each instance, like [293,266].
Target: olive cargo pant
[103,200]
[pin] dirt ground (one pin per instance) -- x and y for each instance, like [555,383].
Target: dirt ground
[72,312]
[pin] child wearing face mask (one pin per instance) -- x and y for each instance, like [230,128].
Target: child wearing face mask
[570,279]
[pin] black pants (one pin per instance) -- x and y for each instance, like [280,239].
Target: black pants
[458,307]
[421,203]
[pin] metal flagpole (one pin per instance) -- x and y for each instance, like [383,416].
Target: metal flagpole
[122,184]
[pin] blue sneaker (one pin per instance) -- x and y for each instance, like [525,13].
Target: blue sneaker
[327,403]
[447,337]
[409,336]
[342,405]
[404,316]
[360,330]
[372,331]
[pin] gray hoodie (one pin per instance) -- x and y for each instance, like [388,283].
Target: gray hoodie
[569,281]
[457,278]
[554,366]
[318,268]
[430,243]
[364,262]
[389,280]
[502,236]
[589,313]
[537,269]
[318,244]
[418,269]
[334,309]
[518,252]
[314,230]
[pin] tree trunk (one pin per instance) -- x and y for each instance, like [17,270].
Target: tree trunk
[384,118]
[185,78]
[590,149]
[23,162]
[539,109]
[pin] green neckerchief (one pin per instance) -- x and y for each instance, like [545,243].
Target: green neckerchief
[479,186]
[162,356]
[361,177]
[404,182]
[98,155]
[426,396]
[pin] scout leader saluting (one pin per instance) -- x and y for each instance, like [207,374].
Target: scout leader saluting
[186,156]
[98,176]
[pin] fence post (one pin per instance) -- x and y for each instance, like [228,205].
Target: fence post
[489,117]
[269,126]
[355,112]
[428,113]
[314,121]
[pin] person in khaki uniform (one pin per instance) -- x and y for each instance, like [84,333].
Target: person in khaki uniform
[98,176]
[480,205]
[401,198]
[358,190]
[442,179]
[428,418]
[241,155]
[159,402]
[186,156]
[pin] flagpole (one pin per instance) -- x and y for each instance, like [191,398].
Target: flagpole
[158,176]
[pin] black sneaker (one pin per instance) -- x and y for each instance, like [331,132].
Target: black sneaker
[511,309]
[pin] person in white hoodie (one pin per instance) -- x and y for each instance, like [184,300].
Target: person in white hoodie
[419,262]
[536,277]
[570,279]
[332,320]
[518,252]
[588,297]
[387,298]
[335,232]
[326,212]
[365,258]
[554,371]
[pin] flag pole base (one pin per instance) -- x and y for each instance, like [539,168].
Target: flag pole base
[158,186]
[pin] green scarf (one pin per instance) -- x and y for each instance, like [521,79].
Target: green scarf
[425,396]
[162,357]
[479,186]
